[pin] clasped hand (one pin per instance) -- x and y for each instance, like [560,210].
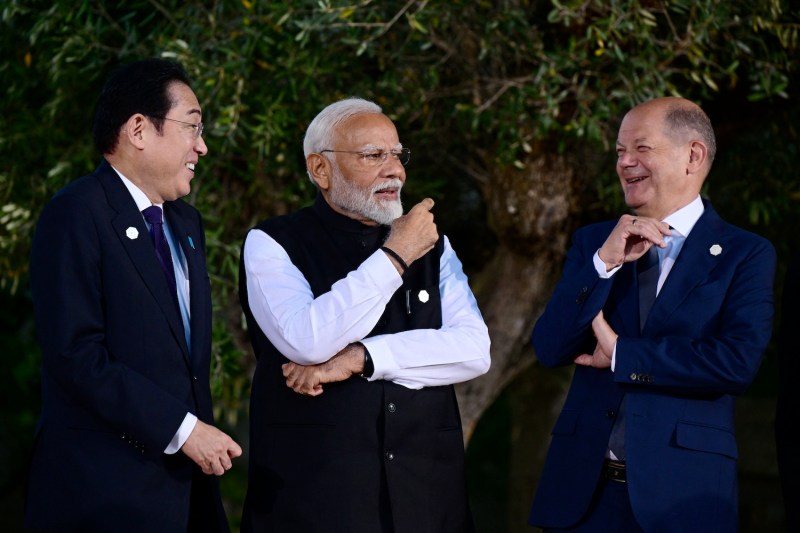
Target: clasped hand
[308,380]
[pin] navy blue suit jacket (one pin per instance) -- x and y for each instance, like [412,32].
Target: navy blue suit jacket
[701,346]
[117,375]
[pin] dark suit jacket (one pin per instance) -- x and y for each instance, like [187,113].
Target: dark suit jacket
[117,376]
[701,346]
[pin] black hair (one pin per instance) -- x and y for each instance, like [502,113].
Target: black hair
[139,87]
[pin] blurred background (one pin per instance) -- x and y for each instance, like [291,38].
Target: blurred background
[510,109]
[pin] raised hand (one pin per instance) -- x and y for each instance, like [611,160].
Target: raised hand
[414,234]
[631,238]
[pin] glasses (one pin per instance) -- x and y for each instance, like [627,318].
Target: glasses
[375,158]
[198,128]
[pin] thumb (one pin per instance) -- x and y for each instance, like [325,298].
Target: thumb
[426,204]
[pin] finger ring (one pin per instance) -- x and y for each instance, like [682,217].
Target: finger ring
[634,222]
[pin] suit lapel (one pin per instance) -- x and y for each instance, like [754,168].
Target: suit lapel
[132,232]
[622,307]
[693,266]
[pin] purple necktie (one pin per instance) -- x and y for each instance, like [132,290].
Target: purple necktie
[153,216]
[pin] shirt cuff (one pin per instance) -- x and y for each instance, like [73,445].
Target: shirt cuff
[381,354]
[187,426]
[600,266]
[614,357]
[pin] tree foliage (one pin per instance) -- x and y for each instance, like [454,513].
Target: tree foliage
[509,107]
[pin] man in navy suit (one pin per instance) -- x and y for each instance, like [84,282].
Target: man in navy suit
[645,440]
[125,441]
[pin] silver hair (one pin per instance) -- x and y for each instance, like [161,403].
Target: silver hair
[320,133]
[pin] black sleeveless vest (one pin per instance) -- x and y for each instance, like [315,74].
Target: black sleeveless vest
[361,452]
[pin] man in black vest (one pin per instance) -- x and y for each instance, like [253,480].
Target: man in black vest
[362,320]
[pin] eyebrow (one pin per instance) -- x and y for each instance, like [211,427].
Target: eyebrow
[635,141]
[398,146]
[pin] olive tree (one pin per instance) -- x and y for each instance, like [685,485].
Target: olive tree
[509,107]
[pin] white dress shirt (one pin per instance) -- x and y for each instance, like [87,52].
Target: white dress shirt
[310,330]
[182,282]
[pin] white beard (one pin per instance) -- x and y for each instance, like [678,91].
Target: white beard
[354,199]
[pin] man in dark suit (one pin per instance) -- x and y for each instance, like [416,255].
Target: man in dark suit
[666,314]
[125,441]
[362,320]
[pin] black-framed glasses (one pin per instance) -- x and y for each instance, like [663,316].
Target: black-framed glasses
[375,158]
[198,128]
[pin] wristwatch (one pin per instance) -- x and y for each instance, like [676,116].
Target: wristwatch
[369,367]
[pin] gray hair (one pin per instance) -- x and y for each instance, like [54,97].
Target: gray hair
[320,133]
[684,120]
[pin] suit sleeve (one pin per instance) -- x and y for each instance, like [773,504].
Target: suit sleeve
[564,330]
[69,286]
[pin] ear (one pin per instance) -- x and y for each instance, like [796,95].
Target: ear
[134,130]
[319,168]
[698,155]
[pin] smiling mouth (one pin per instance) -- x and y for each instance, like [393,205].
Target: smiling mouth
[635,179]
[190,166]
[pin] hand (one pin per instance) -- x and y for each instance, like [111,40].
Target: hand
[631,238]
[414,234]
[211,449]
[606,341]
[308,380]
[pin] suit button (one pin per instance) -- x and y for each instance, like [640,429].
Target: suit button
[389,456]
[611,413]
[391,407]
[634,376]
[194,378]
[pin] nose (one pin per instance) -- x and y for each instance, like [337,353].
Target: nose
[626,159]
[200,146]
[393,168]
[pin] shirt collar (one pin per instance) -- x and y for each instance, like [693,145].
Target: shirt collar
[684,219]
[141,199]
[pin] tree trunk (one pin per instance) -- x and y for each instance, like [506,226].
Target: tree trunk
[530,212]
